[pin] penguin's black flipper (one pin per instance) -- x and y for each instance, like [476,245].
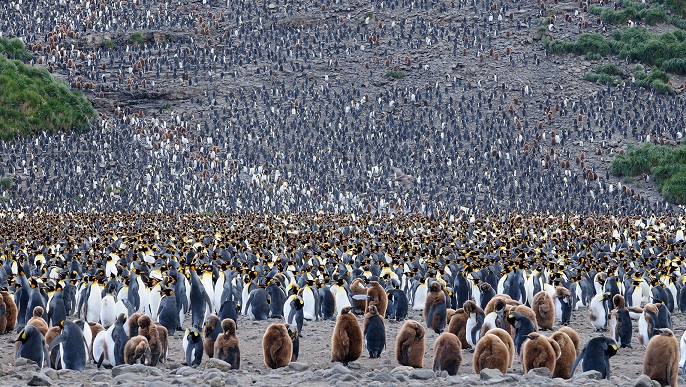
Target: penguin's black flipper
[56,341]
[130,309]
[102,358]
[578,359]
[207,298]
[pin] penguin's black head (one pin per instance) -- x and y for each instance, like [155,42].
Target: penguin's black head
[610,347]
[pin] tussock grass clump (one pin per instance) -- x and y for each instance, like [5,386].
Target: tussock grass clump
[31,101]
[396,74]
[14,49]
[666,164]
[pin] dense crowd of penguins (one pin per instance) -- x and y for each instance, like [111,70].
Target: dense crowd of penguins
[112,289]
[286,107]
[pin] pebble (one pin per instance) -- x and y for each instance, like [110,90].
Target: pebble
[296,366]
[50,373]
[644,381]
[592,374]
[541,371]
[39,380]
[422,374]
[402,370]
[489,373]
[384,377]
[215,363]
[339,369]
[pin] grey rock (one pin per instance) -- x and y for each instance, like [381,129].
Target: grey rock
[594,375]
[39,380]
[296,366]
[125,378]
[345,377]
[186,371]
[643,381]
[158,383]
[489,373]
[49,372]
[216,382]
[384,377]
[231,381]
[339,369]
[214,363]
[540,371]
[403,370]
[422,374]
[129,369]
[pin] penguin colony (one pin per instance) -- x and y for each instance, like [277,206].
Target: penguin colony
[190,121]
[73,276]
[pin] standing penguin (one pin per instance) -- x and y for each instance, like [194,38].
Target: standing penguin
[10,312]
[398,305]
[32,346]
[544,309]
[435,308]
[192,347]
[598,311]
[257,306]
[374,331]
[211,331]
[168,312]
[199,299]
[620,322]
[661,359]
[538,352]
[458,327]
[447,353]
[226,346]
[490,352]
[409,344]
[487,294]
[475,322]
[523,327]
[277,346]
[72,346]
[327,303]
[346,342]
[563,304]
[376,295]
[574,336]
[57,311]
[295,316]
[564,363]
[596,356]
[277,297]
[3,316]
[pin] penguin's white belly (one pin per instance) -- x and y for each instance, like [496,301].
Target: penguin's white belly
[308,308]
[419,298]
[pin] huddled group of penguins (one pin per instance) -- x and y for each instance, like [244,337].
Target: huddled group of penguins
[112,288]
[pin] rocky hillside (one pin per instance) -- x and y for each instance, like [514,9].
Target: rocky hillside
[428,106]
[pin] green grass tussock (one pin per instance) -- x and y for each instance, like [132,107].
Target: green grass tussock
[14,49]
[31,100]
[666,164]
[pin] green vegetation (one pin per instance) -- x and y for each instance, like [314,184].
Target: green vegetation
[166,105]
[655,79]
[666,164]
[677,7]
[108,43]
[631,10]
[370,15]
[31,100]
[14,49]
[396,74]
[115,190]
[604,75]
[665,52]
[6,182]
[137,38]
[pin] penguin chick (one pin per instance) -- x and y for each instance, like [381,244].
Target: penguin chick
[596,356]
[458,327]
[376,295]
[409,344]
[277,346]
[661,359]
[490,352]
[574,336]
[374,331]
[137,349]
[148,329]
[506,338]
[538,352]
[11,312]
[544,309]
[346,342]
[210,330]
[38,321]
[564,363]
[226,346]
[447,353]
[435,308]
[621,327]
